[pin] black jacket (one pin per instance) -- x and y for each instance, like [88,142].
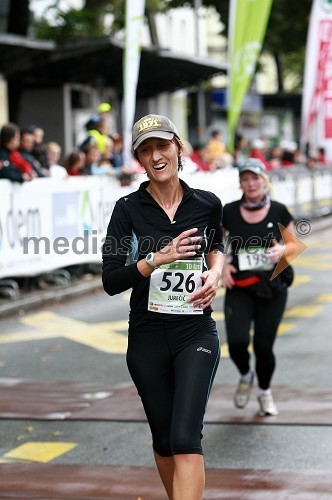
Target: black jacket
[8,170]
[139,225]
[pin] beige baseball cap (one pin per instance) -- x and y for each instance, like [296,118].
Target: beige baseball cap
[153,126]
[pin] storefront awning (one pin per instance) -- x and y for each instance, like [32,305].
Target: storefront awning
[99,63]
[19,53]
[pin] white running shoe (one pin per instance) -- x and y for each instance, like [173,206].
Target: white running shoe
[267,406]
[242,393]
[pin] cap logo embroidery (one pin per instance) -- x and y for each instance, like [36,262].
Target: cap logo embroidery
[149,123]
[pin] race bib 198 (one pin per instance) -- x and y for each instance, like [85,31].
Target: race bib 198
[254,258]
[172,284]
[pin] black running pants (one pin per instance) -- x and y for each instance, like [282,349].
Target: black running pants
[243,308]
[173,364]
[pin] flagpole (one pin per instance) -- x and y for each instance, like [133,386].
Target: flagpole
[201,111]
[134,16]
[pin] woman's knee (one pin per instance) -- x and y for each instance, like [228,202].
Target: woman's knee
[162,446]
[237,345]
[263,350]
[184,442]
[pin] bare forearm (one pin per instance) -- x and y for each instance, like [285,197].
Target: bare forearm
[215,261]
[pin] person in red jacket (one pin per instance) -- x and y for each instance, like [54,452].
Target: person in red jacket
[10,137]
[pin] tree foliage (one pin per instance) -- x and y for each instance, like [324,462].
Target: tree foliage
[286,33]
[75,24]
[285,38]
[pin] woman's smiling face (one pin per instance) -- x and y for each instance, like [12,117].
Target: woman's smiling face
[159,158]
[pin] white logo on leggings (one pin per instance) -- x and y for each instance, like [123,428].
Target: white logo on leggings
[203,350]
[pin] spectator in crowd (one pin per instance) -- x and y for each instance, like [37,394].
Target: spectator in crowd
[274,157]
[315,157]
[96,134]
[39,150]
[258,150]
[92,158]
[239,149]
[198,157]
[53,151]
[321,158]
[102,168]
[26,146]
[215,151]
[93,164]
[9,171]
[74,162]
[189,165]
[105,166]
[290,153]
[14,167]
[104,111]
[124,173]
[107,156]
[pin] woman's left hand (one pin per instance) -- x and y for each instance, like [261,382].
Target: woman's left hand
[205,295]
[275,252]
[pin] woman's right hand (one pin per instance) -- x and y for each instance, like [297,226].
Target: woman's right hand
[183,246]
[226,275]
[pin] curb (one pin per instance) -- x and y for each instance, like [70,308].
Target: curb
[32,302]
[320,224]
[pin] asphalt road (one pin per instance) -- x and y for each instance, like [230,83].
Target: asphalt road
[83,340]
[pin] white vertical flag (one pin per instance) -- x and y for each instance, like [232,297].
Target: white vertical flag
[131,63]
[317,89]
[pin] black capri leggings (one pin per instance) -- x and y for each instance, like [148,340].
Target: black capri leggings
[242,306]
[173,364]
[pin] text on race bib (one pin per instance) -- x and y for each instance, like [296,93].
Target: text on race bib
[172,284]
[254,258]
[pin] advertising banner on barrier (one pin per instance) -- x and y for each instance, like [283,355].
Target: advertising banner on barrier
[48,224]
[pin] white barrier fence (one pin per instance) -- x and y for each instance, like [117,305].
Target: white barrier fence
[306,193]
[49,224]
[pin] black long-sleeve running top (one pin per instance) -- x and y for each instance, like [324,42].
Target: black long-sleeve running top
[139,225]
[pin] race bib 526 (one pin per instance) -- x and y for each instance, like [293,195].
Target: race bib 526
[172,284]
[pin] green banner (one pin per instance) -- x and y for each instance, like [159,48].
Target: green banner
[247,25]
